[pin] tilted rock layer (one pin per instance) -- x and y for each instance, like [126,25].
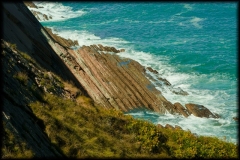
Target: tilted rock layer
[122,83]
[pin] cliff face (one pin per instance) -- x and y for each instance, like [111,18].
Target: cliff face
[27,63]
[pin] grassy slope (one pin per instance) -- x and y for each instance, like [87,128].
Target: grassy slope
[78,128]
[81,129]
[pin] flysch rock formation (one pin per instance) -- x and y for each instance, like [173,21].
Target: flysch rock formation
[112,81]
[122,83]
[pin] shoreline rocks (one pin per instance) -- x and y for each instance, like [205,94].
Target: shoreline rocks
[200,111]
[121,83]
[118,82]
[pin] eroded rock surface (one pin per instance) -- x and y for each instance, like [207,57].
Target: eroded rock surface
[113,81]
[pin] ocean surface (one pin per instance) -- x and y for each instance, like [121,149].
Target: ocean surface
[192,45]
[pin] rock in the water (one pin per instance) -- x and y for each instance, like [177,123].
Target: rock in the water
[181,110]
[235,118]
[122,50]
[152,70]
[179,91]
[200,111]
[164,81]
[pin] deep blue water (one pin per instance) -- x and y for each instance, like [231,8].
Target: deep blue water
[192,45]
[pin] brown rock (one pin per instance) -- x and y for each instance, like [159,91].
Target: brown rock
[169,126]
[152,70]
[179,91]
[62,41]
[30,4]
[112,81]
[164,81]
[45,16]
[178,127]
[160,126]
[235,118]
[181,110]
[122,50]
[199,111]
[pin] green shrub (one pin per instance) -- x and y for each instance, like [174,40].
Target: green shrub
[27,57]
[82,130]
[13,46]
[22,77]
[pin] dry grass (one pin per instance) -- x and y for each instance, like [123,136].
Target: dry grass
[22,77]
[71,87]
[82,130]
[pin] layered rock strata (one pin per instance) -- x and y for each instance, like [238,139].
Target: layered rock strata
[121,83]
[112,81]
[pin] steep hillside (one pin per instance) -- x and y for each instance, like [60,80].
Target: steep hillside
[54,101]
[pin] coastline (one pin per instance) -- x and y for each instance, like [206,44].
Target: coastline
[49,111]
[152,76]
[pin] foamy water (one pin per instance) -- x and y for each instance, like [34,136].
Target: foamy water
[56,11]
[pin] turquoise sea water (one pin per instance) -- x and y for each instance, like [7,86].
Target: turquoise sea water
[192,45]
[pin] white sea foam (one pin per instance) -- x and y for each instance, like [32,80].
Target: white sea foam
[200,126]
[188,7]
[86,38]
[56,11]
[215,100]
[195,21]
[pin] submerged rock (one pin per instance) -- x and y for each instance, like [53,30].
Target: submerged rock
[166,82]
[179,91]
[152,70]
[235,118]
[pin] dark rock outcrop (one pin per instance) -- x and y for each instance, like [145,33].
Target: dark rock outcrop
[164,81]
[152,70]
[200,111]
[235,118]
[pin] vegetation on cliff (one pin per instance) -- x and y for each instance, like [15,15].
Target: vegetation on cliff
[79,128]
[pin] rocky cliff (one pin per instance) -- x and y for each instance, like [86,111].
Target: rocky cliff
[27,62]
[35,61]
